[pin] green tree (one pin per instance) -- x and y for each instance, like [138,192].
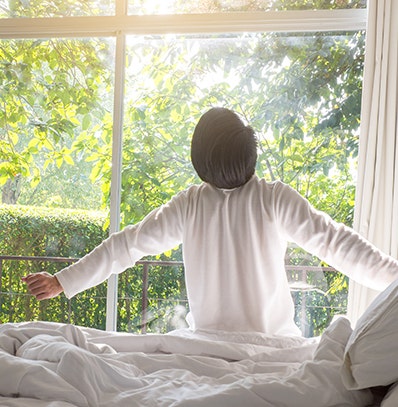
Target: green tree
[51,93]
[300,92]
[211,6]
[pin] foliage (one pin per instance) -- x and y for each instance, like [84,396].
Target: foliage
[300,92]
[52,96]
[165,306]
[35,231]
[56,8]
[213,6]
[67,8]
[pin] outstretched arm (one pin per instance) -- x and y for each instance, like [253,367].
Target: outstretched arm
[335,243]
[159,231]
[43,285]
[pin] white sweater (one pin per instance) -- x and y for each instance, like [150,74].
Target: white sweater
[234,244]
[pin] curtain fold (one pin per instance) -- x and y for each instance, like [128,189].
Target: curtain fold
[376,202]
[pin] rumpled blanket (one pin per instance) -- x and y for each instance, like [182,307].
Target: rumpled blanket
[61,365]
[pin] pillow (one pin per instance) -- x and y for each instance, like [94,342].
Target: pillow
[370,357]
[391,398]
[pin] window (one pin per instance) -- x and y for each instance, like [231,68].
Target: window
[56,118]
[53,120]
[230,6]
[56,8]
[99,112]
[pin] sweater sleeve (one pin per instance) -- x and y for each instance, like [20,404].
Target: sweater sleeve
[159,231]
[336,244]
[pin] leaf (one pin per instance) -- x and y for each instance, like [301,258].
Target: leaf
[59,161]
[68,159]
[86,122]
[46,143]
[47,163]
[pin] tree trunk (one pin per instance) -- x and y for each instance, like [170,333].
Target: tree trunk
[11,190]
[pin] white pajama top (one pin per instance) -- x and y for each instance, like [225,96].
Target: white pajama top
[234,244]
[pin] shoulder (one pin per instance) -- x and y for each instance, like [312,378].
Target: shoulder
[269,187]
[191,192]
[278,195]
[279,188]
[184,199]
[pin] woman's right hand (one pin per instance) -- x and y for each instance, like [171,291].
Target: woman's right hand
[43,285]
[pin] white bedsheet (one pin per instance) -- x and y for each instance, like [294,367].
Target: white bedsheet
[57,365]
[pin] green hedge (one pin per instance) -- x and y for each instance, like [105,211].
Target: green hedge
[33,231]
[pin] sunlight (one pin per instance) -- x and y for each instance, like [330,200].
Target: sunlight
[153,6]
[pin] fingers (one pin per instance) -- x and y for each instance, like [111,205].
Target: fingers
[42,285]
[36,284]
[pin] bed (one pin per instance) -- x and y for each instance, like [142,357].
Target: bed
[60,365]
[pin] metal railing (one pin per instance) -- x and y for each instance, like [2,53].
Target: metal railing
[297,274]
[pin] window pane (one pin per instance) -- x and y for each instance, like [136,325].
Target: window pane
[300,92]
[55,161]
[56,8]
[215,6]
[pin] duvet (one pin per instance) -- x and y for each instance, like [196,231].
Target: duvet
[59,365]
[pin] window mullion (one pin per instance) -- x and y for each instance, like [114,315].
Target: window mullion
[111,308]
[281,21]
[121,8]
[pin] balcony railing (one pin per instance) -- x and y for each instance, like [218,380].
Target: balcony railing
[311,298]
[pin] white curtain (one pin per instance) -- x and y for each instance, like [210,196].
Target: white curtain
[376,206]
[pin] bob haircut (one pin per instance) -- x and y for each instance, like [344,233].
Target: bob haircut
[223,149]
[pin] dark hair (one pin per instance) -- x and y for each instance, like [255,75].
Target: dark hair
[223,149]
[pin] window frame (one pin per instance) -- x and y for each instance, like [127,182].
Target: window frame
[121,24]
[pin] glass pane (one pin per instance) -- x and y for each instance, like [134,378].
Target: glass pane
[56,8]
[300,92]
[55,163]
[216,6]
